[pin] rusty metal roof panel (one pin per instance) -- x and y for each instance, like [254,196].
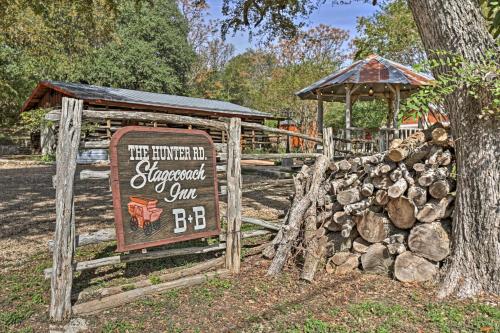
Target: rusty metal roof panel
[374,69]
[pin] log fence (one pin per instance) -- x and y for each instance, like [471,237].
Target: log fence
[70,120]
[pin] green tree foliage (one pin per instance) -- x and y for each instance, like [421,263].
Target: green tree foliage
[131,44]
[481,80]
[265,16]
[267,78]
[150,52]
[285,18]
[365,114]
[391,32]
[44,40]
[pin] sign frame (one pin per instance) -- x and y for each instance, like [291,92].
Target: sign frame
[116,193]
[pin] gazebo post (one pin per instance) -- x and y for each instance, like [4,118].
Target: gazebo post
[389,115]
[348,115]
[374,77]
[392,117]
[384,134]
[397,102]
[319,123]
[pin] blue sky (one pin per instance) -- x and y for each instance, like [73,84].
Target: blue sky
[339,16]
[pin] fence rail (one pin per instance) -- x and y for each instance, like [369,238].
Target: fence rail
[229,158]
[365,141]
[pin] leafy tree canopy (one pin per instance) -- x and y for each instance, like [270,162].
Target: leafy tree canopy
[128,44]
[391,32]
[267,78]
[150,52]
[284,18]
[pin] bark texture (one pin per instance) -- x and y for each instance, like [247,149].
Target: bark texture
[458,26]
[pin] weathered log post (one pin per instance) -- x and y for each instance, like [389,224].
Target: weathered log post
[64,237]
[233,240]
[328,144]
[47,138]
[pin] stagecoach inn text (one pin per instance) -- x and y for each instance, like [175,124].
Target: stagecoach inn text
[147,171]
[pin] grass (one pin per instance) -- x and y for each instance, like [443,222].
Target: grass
[251,301]
[379,317]
[23,293]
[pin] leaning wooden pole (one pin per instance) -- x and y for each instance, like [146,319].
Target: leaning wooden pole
[64,238]
[328,144]
[233,240]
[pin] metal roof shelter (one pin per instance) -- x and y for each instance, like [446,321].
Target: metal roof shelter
[50,93]
[373,77]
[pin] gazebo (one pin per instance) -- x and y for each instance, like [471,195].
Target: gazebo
[367,79]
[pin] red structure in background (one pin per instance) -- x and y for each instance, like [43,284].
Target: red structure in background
[290,125]
[423,121]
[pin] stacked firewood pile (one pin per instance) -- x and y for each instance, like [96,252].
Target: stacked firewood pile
[388,213]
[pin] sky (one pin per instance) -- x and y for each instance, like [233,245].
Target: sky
[339,16]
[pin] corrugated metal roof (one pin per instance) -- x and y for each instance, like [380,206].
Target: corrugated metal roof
[374,69]
[97,93]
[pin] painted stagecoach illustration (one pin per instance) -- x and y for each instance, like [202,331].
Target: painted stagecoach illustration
[144,214]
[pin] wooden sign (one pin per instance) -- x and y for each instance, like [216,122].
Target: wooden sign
[164,185]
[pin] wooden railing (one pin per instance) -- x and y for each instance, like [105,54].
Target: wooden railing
[365,141]
[229,156]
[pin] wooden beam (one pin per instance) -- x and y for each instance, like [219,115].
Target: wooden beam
[348,117]
[47,138]
[94,174]
[328,143]
[170,276]
[103,235]
[233,174]
[278,156]
[113,301]
[279,131]
[265,224]
[389,112]
[249,234]
[120,259]
[144,116]
[104,144]
[319,124]
[397,102]
[64,237]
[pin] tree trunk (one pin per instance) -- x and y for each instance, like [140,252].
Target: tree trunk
[458,26]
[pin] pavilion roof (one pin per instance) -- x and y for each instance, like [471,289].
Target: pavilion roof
[370,71]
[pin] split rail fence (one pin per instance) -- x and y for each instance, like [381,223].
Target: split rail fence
[229,155]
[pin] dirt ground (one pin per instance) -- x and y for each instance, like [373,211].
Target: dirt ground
[249,302]
[27,213]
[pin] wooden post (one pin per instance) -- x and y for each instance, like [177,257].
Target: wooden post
[397,102]
[320,115]
[233,239]
[390,113]
[348,115]
[328,144]
[253,139]
[64,236]
[108,128]
[47,138]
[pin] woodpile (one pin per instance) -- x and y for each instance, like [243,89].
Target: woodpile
[388,213]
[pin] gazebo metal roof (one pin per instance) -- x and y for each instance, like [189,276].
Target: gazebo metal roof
[375,72]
